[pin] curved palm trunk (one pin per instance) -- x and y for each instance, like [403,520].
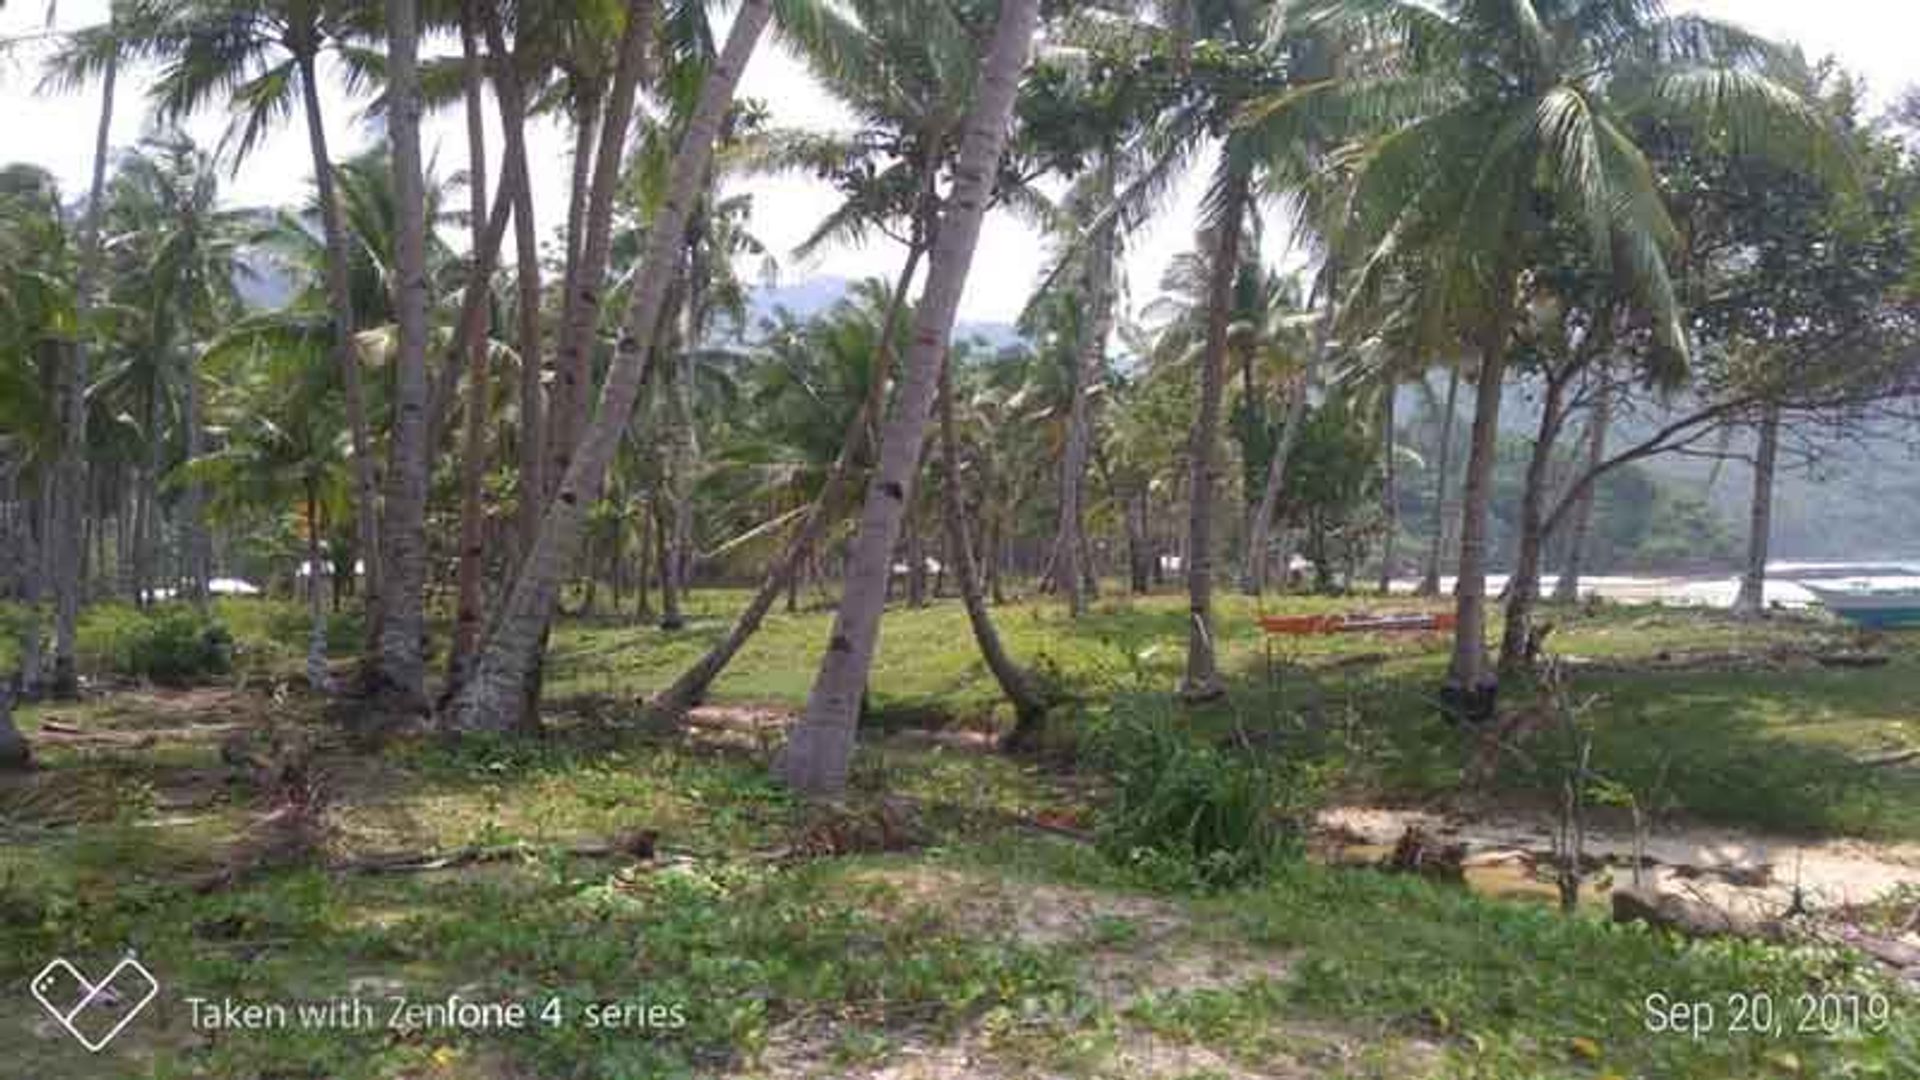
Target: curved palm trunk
[1089,360]
[1442,519]
[818,753]
[1253,576]
[1029,709]
[1567,589]
[692,685]
[493,698]
[71,467]
[366,506]
[1751,601]
[402,666]
[580,313]
[1202,679]
[1470,684]
[468,614]
[1523,588]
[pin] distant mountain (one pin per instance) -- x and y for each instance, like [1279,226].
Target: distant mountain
[814,295]
[1859,500]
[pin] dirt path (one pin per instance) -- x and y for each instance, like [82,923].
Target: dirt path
[1753,873]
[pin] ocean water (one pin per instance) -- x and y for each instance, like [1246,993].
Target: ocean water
[1719,590]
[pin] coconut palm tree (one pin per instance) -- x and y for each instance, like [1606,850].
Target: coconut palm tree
[494,696]
[93,52]
[255,59]
[400,666]
[1501,120]
[816,756]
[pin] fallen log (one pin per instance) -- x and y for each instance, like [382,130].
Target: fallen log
[1896,757]
[1689,918]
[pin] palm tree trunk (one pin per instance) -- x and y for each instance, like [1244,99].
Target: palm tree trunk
[15,754]
[818,753]
[1751,601]
[1088,363]
[493,698]
[1470,684]
[319,676]
[1389,494]
[1523,587]
[1202,679]
[509,93]
[580,313]
[1029,708]
[916,551]
[1442,520]
[366,506]
[1253,576]
[1567,589]
[468,607]
[402,665]
[193,498]
[671,617]
[691,687]
[72,463]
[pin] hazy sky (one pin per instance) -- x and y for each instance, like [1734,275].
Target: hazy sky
[1875,38]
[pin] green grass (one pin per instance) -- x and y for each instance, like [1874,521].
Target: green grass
[848,961]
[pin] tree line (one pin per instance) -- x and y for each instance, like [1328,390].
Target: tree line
[1632,214]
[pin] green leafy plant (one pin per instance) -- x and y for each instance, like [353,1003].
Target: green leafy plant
[1191,813]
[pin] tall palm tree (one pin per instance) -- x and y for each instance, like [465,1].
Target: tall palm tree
[1502,119]
[494,695]
[817,754]
[908,70]
[253,58]
[94,52]
[401,665]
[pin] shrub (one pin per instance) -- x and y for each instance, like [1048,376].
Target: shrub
[174,647]
[1191,813]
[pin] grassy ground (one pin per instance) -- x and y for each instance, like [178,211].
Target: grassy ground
[777,940]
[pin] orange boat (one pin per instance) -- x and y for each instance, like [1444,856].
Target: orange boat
[1307,625]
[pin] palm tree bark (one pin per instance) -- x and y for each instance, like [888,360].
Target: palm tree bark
[468,614]
[580,311]
[1202,680]
[1470,684]
[402,667]
[493,698]
[1523,587]
[1029,708]
[1442,519]
[1751,601]
[1088,362]
[510,95]
[820,749]
[72,464]
[1253,576]
[366,506]
[691,687]
[1567,589]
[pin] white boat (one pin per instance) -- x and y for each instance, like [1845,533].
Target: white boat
[1878,608]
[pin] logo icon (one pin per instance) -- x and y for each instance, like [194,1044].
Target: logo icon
[114,1000]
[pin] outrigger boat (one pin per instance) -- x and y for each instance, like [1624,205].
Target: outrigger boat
[1877,609]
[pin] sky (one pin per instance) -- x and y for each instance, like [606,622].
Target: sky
[1874,38]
